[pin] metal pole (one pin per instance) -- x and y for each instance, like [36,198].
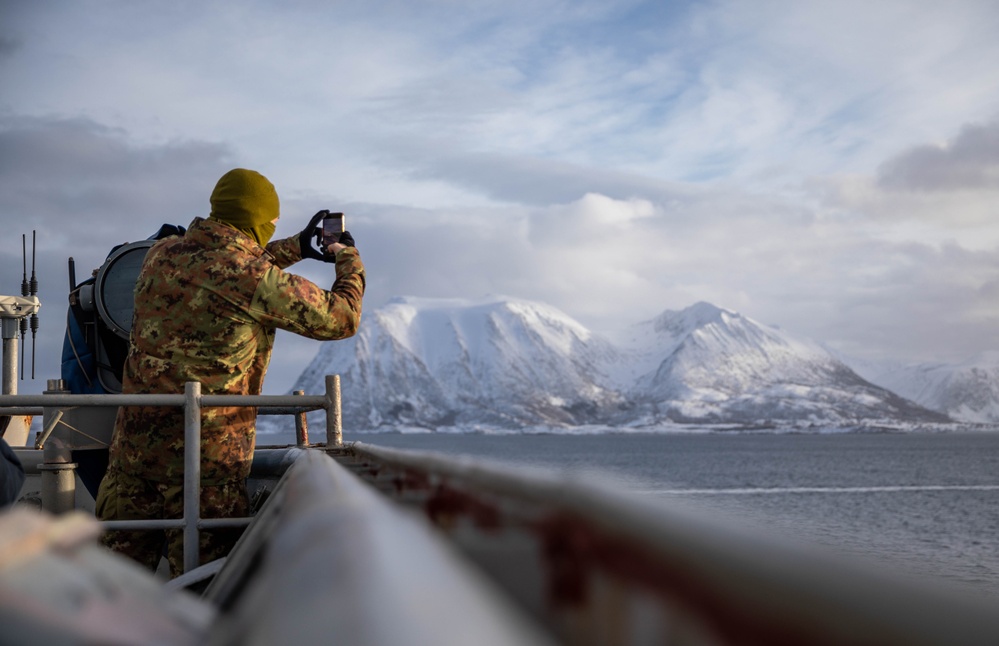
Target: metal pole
[334,422]
[311,402]
[9,356]
[58,487]
[192,473]
[301,426]
[22,410]
[174,523]
[59,470]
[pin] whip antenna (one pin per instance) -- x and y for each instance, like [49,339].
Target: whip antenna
[33,286]
[22,324]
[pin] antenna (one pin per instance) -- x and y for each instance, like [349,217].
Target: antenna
[14,313]
[33,286]
[23,323]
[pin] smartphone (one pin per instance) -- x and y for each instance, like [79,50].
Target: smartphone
[333,226]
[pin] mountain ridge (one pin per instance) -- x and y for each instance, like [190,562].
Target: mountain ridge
[510,363]
[967,392]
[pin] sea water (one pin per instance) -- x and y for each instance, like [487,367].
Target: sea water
[926,503]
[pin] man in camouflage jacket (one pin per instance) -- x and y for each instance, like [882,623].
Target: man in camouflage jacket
[207,305]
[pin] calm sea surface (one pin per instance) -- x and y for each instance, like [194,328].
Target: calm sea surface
[926,503]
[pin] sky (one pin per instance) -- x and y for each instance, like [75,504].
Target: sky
[829,166]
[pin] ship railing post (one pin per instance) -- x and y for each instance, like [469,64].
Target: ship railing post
[192,473]
[10,331]
[58,471]
[301,427]
[334,420]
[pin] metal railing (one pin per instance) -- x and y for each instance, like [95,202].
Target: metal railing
[192,401]
[603,566]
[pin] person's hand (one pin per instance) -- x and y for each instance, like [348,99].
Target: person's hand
[306,236]
[346,240]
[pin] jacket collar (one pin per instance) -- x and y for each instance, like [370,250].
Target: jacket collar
[216,234]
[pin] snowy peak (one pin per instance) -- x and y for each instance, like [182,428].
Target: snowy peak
[492,335]
[716,343]
[682,322]
[672,327]
[495,362]
[706,363]
[501,362]
[716,329]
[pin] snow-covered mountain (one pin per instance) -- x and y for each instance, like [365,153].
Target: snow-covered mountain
[494,362]
[716,365]
[966,392]
[513,363]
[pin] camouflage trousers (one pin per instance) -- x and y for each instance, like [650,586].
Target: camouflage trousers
[125,497]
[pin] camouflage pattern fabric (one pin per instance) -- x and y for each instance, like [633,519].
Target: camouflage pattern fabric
[126,498]
[207,305]
[11,471]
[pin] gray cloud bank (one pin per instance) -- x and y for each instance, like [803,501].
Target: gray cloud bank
[968,162]
[607,248]
[86,188]
[80,181]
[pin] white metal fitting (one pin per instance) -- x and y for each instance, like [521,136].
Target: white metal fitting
[18,307]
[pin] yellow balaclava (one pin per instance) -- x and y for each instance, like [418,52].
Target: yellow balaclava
[246,201]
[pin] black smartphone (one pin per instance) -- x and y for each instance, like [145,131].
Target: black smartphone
[333,226]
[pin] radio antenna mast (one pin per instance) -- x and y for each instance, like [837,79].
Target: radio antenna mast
[23,323]
[33,288]
[29,288]
[14,312]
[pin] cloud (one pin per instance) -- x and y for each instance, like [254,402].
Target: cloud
[611,158]
[609,262]
[588,222]
[81,183]
[11,34]
[8,46]
[930,193]
[533,180]
[607,259]
[85,188]
[694,92]
[911,301]
[969,162]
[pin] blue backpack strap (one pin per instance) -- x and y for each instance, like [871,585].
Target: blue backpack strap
[79,368]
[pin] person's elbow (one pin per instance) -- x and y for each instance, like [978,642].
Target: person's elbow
[351,324]
[345,323]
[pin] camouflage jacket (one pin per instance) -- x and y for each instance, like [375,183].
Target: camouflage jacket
[206,308]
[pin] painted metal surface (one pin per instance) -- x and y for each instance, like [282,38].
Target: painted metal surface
[306,402]
[334,414]
[192,473]
[337,554]
[598,566]
[335,562]
[301,426]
